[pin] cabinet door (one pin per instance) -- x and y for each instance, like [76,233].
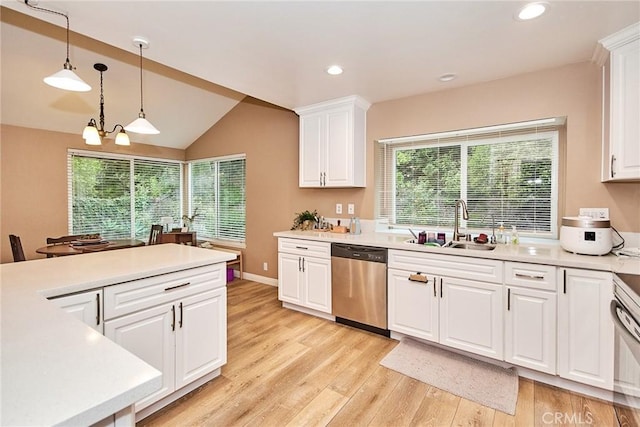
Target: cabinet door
[317,283]
[201,339]
[312,149]
[87,307]
[149,335]
[471,316]
[290,278]
[585,327]
[413,305]
[530,329]
[339,147]
[625,110]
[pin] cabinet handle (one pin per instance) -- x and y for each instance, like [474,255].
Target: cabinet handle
[302,247]
[98,309]
[441,287]
[170,288]
[418,277]
[613,158]
[435,294]
[299,264]
[303,265]
[173,317]
[529,276]
[180,323]
[564,281]
[324,179]
[320,179]
[508,299]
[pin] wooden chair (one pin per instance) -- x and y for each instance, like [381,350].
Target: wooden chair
[156,234]
[16,248]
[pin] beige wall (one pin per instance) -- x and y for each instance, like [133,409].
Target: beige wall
[34,197]
[573,91]
[33,172]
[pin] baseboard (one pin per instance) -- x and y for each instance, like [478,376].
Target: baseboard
[310,311]
[260,279]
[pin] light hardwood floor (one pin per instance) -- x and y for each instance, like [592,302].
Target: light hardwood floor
[286,368]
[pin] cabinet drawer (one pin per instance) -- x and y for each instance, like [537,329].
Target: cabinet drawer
[486,270]
[140,294]
[305,247]
[530,275]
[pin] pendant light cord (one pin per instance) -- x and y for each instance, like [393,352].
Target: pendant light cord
[141,98]
[55,12]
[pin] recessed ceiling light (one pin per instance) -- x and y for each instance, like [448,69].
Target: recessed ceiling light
[532,10]
[334,70]
[447,77]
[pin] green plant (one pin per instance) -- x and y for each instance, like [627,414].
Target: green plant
[298,221]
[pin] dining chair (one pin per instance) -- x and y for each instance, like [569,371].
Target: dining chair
[16,248]
[156,234]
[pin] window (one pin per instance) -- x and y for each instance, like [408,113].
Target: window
[511,174]
[121,196]
[217,191]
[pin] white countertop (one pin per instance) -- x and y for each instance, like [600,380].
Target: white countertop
[55,369]
[539,253]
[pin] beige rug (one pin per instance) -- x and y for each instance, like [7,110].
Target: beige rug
[481,382]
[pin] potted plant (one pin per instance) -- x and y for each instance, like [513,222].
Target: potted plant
[188,220]
[305,220]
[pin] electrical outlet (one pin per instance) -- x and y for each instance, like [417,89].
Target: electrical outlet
[595,213]
[265,266]
[338,208]
[351,209]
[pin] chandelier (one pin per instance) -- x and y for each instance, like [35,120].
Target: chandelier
[92,134]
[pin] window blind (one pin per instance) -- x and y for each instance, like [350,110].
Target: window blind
[510,174]
[218,192]
[121,196]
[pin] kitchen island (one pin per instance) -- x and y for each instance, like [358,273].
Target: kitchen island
[55,369]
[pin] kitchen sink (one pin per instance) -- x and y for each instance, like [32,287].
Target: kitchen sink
[470,245]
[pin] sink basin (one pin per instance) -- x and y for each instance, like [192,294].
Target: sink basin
[470,245]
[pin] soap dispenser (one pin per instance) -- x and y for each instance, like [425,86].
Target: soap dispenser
[514,235]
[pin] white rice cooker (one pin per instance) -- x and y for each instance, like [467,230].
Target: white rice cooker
[586,235]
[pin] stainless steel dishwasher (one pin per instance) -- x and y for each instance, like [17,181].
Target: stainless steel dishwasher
[359,286]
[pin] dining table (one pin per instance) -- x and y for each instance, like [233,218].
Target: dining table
[64,249]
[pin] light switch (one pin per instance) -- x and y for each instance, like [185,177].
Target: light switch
[351,209]
[338,208]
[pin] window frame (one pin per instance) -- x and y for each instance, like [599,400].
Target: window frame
[240,243]
[458,139]
[131,159]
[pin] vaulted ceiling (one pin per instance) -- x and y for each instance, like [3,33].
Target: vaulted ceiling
[205,56]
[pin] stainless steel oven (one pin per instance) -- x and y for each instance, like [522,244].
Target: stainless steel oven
[625,311]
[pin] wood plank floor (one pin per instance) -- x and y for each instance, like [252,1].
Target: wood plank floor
[290,369]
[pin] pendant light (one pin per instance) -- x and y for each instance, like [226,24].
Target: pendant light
[91,134]
[64,79]
[141,124]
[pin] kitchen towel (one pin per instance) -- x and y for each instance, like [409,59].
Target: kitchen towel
[481,382]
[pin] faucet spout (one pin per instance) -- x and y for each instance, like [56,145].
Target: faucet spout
[465,215]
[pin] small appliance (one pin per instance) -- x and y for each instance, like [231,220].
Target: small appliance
[586,235]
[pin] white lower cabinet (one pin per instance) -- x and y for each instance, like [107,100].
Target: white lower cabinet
[454,311]
[530,316]
[413,304]
[585,327]
[530,329]
[176,322]
[185,339]
[471,316]
[304,274]
[86,306]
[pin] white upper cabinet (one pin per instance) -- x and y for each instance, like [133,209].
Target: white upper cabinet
[333,143]
[620,60]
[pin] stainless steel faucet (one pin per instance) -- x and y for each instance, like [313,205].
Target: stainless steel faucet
[465,215]
[493,230]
